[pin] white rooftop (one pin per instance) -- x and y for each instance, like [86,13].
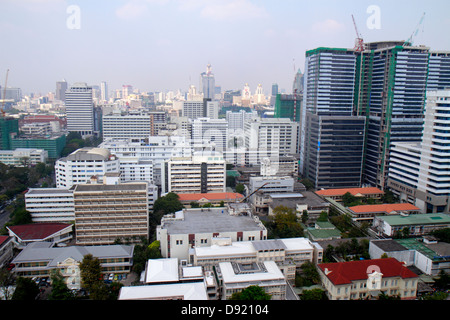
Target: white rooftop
[188,291]
[269,273]
[162,270]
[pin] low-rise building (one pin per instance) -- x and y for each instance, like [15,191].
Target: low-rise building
[367,212]
[21,157]
[365,279]
[188,228]
[6,250]
[214,198]
[54,233]
[40,258]
[337,194]
[417,224]
[299,202]
[235,277]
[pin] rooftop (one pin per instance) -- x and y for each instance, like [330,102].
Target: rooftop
[89,154]
[209,220]
[387,208]
[346,272]
[189,291]
[417,219]
[37,231]
[358,192]
[129,186]
[209,196]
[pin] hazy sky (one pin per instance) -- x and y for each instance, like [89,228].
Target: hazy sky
[159,45]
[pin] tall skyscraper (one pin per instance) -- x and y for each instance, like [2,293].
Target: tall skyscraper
[332,138]
[61,87]
[104,91]
[208,83]
[80,109]
[297,86]
[390,91]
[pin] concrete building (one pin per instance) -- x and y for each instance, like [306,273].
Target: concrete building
[190,228]
[200,173]
[365,279]
[213,198]
[366,213]
[208,84]
[235,277]
[23,157]
[6,250]
[80,109]
[419,172]
[39,259]
[417,224]
[236,120]
[50,205]
[26,234]
[107,212]
[270,134]
[82,164]
[338,193]
[214,131]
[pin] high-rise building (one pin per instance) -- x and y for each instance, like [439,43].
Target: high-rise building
[104,91]
[82,164]
[208,84]
[8,127]
[288,106]
[80,109]
[211,130]
[107,212]
[61,87]
[390,90]
[200,173]
[297,86]
[332,138]
[419,172]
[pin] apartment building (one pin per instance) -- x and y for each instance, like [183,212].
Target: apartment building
[366,279]
[82,164]
[189,228]
[214,131]
[200,173]
[50,204]
[80,109]
[107,212]
[23,157]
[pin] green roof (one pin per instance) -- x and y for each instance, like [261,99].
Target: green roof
[233,173]
[417,219]
[413,244]
[318,234]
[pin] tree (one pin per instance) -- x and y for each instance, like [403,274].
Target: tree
[60,291]
[169,203]
[26,289]
[323,217]
[21,216]
[349,200]
[6,280]
[442,234]
[284,224]
[251,293]
[240,188]
[314,294]
[91,276]
[304,216]
[307,183]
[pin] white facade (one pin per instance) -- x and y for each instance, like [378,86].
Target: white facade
[23,156]
[80,109]
[193,109]
[274,134]
[236,120]
[157,149]
[419,173]
[211,130]
[50,204]
[82,164]
[188,228]
[135,126]
[200,173]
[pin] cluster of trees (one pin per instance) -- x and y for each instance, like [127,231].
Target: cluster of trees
[283,224]
[74,141]
[348,250]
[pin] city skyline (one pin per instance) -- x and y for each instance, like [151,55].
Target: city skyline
[162,45]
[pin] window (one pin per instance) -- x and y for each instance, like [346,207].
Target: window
[179,242]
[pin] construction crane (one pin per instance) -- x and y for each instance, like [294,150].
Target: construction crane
[253,192]
[4,94]
[359,42]
[410,42]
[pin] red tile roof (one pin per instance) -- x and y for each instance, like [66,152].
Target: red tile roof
[346,272]
[37,231]
[3,239]
[387,207]
[210,196]
[353,191]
